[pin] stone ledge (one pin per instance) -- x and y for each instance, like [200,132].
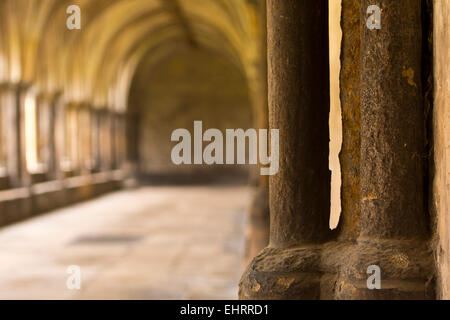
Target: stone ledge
[19,204]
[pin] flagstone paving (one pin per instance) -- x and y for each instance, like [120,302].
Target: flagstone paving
[146,243]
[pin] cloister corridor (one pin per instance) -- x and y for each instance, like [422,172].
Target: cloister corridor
[131,244]
[225,149]
[91,94]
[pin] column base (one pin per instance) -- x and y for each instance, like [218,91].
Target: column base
[338,270]
[282,274]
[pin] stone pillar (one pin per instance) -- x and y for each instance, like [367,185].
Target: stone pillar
[393,220]
[133,125]
[112,120]
[120,139]
[3,138]
[299,108]
[298,73]
[59,136]
[56,137]
[392,124]
[95,144]
[350,103]
[385,220]
[84,138]
[72,164]
[16,147]
[44,129]
[105,139]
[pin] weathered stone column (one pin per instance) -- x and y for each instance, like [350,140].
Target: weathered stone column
[45,128]
[392,124]
[112,118]
[393,219]
[350,103]
[298,73]
[16,148]
[3,125]
[299,108]
[59,135]
[56,136]
[132,126]
[105,139]
[95,143]
[72,157]
[120,138]
[84,138]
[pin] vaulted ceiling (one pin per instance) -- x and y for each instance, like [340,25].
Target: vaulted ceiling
[97,63]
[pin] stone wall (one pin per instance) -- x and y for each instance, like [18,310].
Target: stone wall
[191,84]
[441,127]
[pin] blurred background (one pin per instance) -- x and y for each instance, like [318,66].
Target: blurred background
[86,115]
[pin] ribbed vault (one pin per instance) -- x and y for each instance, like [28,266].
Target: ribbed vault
[96,64]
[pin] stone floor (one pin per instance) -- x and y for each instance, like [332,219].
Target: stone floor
[147,243]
